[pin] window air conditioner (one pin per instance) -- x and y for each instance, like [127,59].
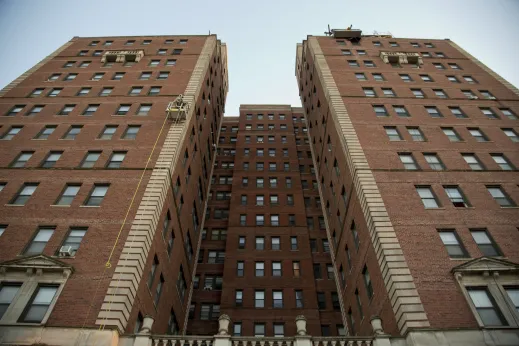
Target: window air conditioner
[66,251]
[473,97]
[208,288]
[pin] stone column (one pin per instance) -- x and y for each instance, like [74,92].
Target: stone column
[381,338]
[223,338]
[143,338]
[302,338]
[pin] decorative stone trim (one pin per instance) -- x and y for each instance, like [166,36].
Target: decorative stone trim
[120,296]
[405,300]
[33,69]
[123,55]
[401,58]
[485,68]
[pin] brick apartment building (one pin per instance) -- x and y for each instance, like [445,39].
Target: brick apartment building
[415,147]
[77,190]
[393,191]
[264,257]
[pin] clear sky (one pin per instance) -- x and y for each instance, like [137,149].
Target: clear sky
[261,35]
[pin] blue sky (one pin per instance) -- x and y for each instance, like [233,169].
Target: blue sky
[261,35]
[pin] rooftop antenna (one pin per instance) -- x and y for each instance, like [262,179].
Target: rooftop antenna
[329,32]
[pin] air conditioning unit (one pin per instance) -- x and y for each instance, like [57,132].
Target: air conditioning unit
[208,288]
[66,251]
[491,98]
[473,97]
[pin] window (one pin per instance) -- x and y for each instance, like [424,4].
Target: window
[392,133]
[260,243]
[360,76]
[171,62]
[478,135]
[277,299]
[243,220]
[154,63]
[451,134]
[118,76]
[177,51]
[473,161]
[457,112]
[353,63]
[116,159]
[508,113]
[439,66]
[97,195]
[293,243]
[279,329]
[434,162]
[380,78]
[369,92]
[469,80]
[97,76]
[72,132]
[453,79]
[163,75]
[68,194]
[144,109]
[259,329]
[485,243]
[346,52]
[454,247]
[406,78]
[84,64]
[513,294]
[54,92]
[209,312]
[40,240]
[131,132]
[433,112]
[503,162]
[510,133]
[428,198]
[355,234]
[83,92]
[408,161]
[22,159]
[330,272]
[416,134]
[426,78]
[39,304]
[299,295]
[489,113]
[274,220]
[240,268]
[369,63]
[238,297]
[7,293]
[486,307]
[15,110]
[380,110]
[456,196]
[367,282]
[321,300]
[500,196]
[317,271]
[13,131]
[401,111]
[418,93]
[440,93]
[45,132]
[35,110]
[259,299]
[291,220]
[154,91]
[90,110]
[90,159]
[36,92]
[51,159]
